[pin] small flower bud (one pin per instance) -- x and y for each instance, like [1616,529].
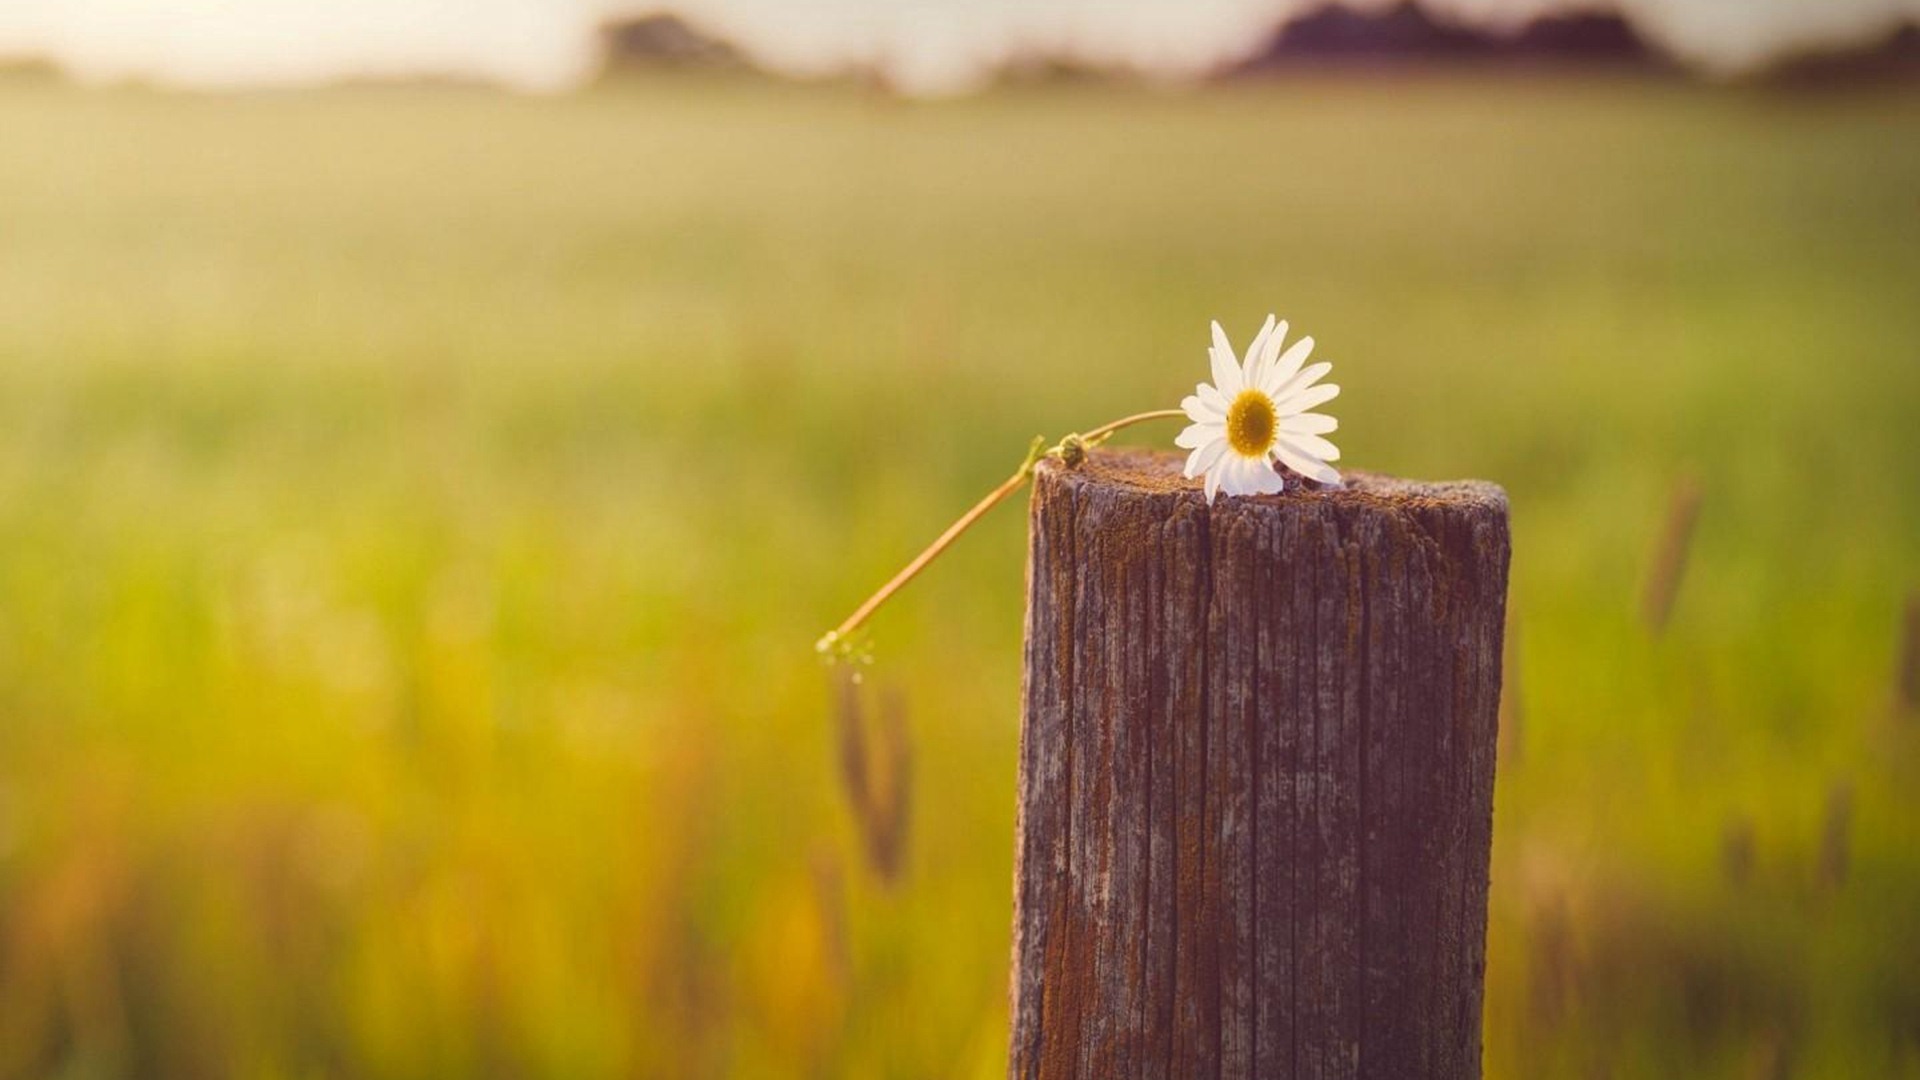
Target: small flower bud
[1073,451]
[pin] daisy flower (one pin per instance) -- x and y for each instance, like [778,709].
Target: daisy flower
[1256,412]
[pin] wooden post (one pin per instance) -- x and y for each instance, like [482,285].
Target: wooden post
[1256,777]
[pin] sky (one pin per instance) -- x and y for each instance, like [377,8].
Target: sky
[930,45]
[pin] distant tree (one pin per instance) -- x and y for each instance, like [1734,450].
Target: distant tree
[663,41]
[1408,33]
[1586,37]
[1336,32]
[1893,57]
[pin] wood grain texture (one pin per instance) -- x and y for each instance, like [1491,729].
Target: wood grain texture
[1256,777]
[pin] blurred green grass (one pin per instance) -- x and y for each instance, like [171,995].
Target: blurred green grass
[417,507]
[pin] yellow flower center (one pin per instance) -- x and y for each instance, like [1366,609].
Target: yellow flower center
[1250,424]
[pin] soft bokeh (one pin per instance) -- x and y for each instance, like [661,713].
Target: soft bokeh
[929,46]
[417,508]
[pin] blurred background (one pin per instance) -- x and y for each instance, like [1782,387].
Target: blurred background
[433,435]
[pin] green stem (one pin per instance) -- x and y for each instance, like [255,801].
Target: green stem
[1060,451]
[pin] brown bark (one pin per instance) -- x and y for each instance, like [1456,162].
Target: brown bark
[1256,776]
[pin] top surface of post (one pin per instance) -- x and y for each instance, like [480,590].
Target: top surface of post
[1152,472]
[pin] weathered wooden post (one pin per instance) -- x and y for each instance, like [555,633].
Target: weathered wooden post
[1256,777]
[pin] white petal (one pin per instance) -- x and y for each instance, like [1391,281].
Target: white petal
[1197,435]
[1214,398]
[1266,479]
[1309,423]
[1239,479]
[1226,370]
[1302,380]
[1290,362]
[1200,412]
[1302,400]
[1212,484]
[1271,354]
[1228,470]
[1251,366]
[1312,444]
[1305,464]
[1203,458]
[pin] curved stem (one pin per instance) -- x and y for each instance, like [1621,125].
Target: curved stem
[1104,431]
[907,573]
[1011,484]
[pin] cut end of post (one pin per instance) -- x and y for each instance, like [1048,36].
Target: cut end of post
[1154,472]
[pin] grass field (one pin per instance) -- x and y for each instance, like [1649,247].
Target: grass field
[417,509]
